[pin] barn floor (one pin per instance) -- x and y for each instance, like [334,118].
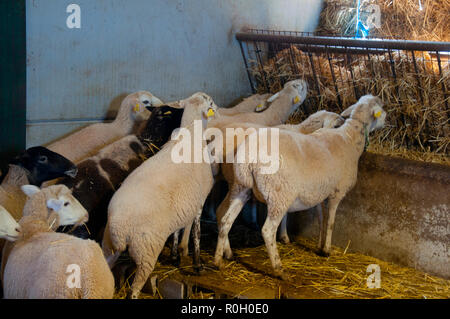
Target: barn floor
[342,275]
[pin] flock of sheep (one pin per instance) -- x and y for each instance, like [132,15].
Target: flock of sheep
[113,187]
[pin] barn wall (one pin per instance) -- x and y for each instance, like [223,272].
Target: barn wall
[171,48]
[399,211]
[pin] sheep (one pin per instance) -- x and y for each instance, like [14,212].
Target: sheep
[249,104]
[313,168]
[100,175]
[57,195]
[9,228]
[32,166]
[160,197]
[89,140]
[48,265]
[274,111]
[320,119]
[281,104]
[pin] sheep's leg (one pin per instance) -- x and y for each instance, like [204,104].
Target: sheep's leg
[328,224]
[283,235]
[319,210]
[196,236]
[221,210]
[144,252]
[111,256]
[236,203]
[184,245]
[269,233]
[174,251]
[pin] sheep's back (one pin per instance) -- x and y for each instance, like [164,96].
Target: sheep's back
[38,268]
[161,194]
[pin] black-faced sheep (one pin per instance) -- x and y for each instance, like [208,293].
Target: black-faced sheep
[174,191]
[100,176]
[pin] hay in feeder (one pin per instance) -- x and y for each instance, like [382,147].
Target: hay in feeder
[342,275]
[425,20]
[415,98]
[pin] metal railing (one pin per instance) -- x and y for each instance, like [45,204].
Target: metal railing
[339,70]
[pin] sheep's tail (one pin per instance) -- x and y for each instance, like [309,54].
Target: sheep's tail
[113,246]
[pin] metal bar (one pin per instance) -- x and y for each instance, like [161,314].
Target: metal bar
[347,42]
[444,90]
[247,68]
[417,76]
[260,64]
[349,64]
[314,72]
[324,48]
[334,81]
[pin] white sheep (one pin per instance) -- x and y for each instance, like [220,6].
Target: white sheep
[9,228]
[249,104]
[274,111]
[313,168]
[89,140]
[159,198]
[58,194]
[318,120]
[43,264]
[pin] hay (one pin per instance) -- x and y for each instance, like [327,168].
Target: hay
[418,119]
[400,19]
[342,275]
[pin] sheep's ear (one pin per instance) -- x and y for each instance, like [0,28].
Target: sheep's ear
[347,112]
[273,97]
[30,190]
[55,204]
[176,104]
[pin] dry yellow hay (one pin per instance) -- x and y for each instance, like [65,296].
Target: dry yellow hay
[418,118]
[400,19]
[342,275]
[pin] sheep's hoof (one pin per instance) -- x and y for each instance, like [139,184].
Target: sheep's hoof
[218,263]
[228,254]
[199,269]
[284,239]
[184,251]
[176,260]
[135,295]
[322,253]
[279,273]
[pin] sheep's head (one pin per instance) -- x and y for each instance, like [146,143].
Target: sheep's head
[300,88]
[42,165]
[160,125]
[9,228]
[205,105]
[297,88]
[138,102]
[331,120]
[58,199]
[369,111]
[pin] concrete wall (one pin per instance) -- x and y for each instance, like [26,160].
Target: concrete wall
[399,211]
[171,48]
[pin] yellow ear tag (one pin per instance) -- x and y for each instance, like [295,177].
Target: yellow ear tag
[168,112]
[210,113]
[296,99]
[136,108]
[259,107]
[377,115]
